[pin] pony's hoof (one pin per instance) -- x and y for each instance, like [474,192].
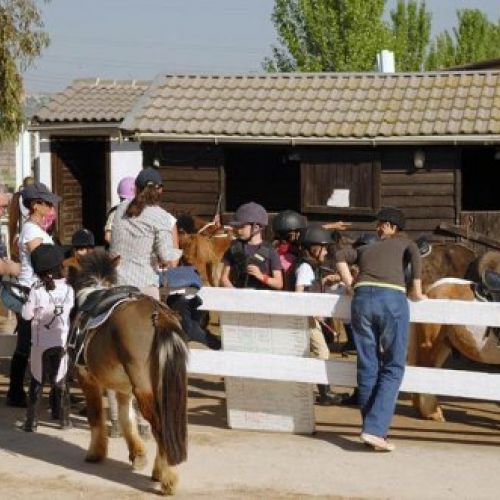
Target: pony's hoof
[94,458]
[139,462]
[169,485]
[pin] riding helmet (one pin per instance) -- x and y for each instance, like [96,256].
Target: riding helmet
[250,213]
[365,239]
[287,221]
[314,235]
[392,215]
[83,238]
[46,257]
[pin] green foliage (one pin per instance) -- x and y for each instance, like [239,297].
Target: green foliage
[411,30]
[21,40]
[346,35]
[327,35]
[475,38]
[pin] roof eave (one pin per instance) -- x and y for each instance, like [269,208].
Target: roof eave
[73,126]
[324,141]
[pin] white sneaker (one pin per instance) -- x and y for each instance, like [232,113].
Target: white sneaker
[376,442]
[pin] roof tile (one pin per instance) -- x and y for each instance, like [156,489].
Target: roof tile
[289,105]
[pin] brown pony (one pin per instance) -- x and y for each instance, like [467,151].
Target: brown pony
[138,350]
[203,247]
[431,344]
[446,260]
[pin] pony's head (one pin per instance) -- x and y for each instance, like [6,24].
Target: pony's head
[97,270]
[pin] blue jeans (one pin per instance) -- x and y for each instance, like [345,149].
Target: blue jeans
[380,320]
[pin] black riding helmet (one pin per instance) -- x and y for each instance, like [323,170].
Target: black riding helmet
[365,239]
[46,257]
[313,235]
[392,215]
[287,221]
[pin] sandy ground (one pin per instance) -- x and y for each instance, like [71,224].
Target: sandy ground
[458,459]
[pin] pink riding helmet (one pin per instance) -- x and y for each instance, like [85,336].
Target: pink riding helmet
[126,188]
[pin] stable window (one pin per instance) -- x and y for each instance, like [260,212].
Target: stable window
[480,179]
[338,181]
[267,175]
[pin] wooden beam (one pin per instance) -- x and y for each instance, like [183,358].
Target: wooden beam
[469,235]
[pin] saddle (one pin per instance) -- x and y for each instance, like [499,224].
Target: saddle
[424,248]
[100,301]
[97,302]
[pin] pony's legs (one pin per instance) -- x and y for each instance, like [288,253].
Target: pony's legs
[434,356]
[164,473]
[95,414]
[126,416]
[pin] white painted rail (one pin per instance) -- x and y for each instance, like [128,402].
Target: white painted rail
[262,366]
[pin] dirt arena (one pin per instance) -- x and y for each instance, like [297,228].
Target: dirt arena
[458,459]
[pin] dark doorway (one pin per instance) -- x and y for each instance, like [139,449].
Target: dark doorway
[480,179]
[267,175]
[79,176]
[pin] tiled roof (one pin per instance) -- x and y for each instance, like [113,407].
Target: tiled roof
[92,100]
[320,106]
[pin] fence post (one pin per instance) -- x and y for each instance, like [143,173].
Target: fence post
[266,404]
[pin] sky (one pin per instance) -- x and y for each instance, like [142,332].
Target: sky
[139,39]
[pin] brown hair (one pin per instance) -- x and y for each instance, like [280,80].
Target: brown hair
[149,196]
[48,277]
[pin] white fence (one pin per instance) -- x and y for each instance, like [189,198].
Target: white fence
[284,368]
[275,357]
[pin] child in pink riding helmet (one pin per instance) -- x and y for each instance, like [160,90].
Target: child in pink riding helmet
[126,191]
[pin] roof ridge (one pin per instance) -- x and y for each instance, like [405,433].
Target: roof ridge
[330,74]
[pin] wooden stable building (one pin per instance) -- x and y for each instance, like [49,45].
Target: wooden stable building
[333,146]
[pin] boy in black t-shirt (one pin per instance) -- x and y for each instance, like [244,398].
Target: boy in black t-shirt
[251,262]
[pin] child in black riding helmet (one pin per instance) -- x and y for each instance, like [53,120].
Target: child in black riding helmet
[48,307]
[314,242]
[250,262]
[286,228]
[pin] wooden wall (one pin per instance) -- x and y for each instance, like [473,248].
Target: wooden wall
[427,196]
[192,176]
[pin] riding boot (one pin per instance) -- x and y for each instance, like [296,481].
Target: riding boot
[34,397]
[326,397]
[16,396]
[63,405]
[54,404]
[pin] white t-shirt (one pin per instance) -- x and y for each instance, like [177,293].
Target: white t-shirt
[29,232]
[304,275]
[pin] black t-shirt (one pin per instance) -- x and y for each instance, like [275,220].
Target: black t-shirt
[239,255]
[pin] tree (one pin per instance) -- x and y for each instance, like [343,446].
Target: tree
[327,35]
[411,30]
[475,38]
[21,40]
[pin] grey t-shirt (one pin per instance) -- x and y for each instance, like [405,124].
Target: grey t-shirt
[382,262]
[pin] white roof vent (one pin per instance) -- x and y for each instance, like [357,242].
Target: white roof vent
[385,61]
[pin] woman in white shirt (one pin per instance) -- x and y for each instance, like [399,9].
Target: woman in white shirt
[39,201]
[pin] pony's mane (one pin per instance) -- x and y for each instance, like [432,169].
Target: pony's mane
[96,268]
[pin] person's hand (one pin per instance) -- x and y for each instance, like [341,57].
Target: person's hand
[416,296]
[330,279]
[254,271]
[336,226]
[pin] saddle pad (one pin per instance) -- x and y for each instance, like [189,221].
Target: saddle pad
[99,320]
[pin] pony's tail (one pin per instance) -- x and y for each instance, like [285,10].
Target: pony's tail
[171,353]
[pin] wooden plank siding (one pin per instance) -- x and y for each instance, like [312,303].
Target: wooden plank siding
[487,223]
[326,170]
[428,196]
[191,176]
